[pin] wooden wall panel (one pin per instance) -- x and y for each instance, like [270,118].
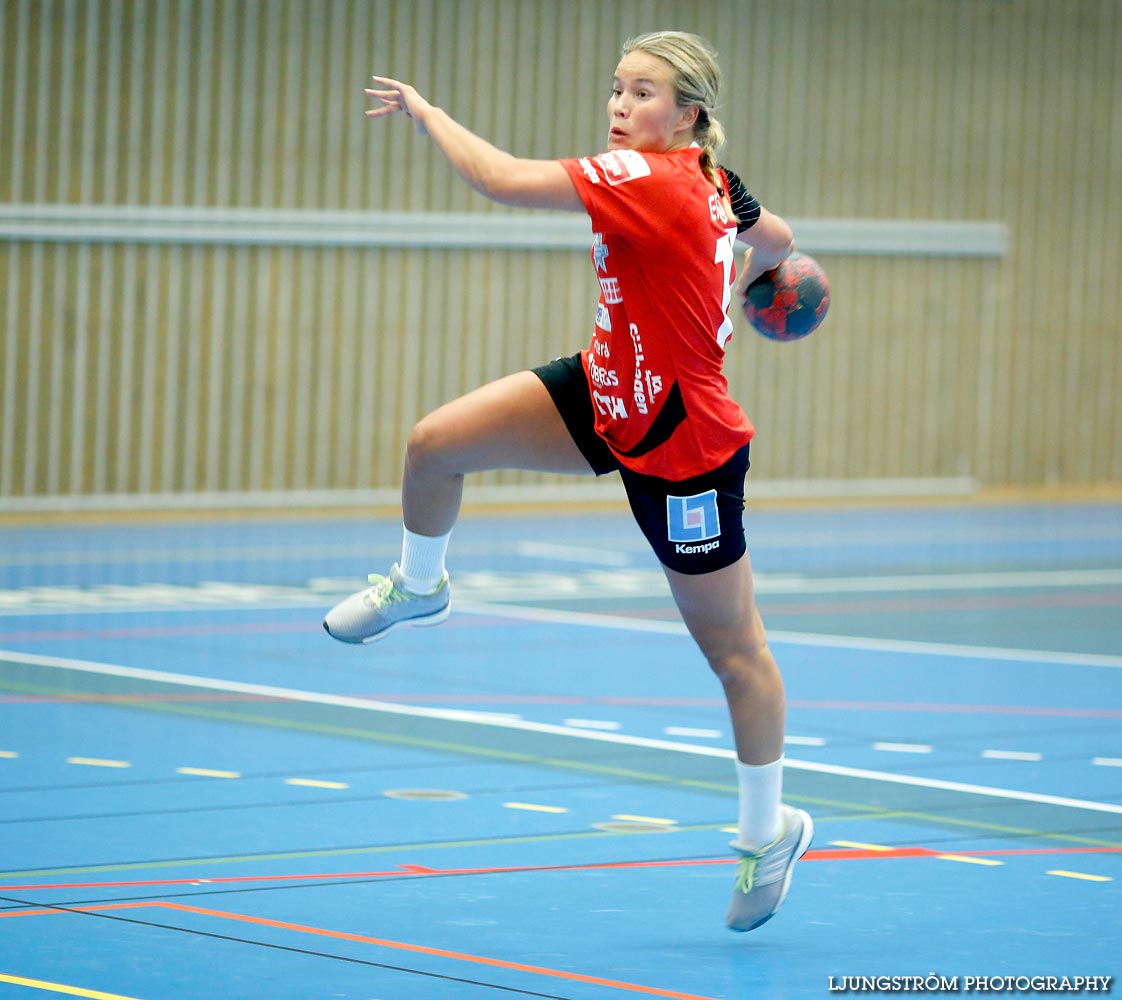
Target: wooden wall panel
[165,367]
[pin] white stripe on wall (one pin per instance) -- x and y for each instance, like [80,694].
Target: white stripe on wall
[456,230]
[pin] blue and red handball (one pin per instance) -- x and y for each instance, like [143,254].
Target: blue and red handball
[790,301]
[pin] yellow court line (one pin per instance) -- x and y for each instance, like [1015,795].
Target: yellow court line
[97,762]
[629,818]
[205,772]
[859,846]
[1080,875]
[8,754]
[74,991]
[312,783]
[968,860]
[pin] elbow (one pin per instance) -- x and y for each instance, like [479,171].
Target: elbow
[483,182]
[776,248]
[783,240]
[770,238]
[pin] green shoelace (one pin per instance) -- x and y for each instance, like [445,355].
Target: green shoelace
[387,592]
[746,873]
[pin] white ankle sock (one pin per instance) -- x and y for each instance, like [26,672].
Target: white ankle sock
[761,792]
[422,561]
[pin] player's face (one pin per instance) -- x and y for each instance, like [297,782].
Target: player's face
[642,111]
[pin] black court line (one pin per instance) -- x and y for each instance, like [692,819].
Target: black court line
[284,948]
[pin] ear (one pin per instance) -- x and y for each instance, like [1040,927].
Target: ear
[687,119]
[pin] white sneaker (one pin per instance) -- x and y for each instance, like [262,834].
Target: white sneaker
[763,877]
[384,606]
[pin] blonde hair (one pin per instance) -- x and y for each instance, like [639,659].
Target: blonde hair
[697,83]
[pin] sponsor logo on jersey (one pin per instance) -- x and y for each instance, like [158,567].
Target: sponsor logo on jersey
[613,295]
[589,170]
[604,321]
[600,252]
[693,519]
[601,375]
[609,406]
[623,165]
[646,384]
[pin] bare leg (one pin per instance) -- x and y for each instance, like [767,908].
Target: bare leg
[719,610]
[508,424]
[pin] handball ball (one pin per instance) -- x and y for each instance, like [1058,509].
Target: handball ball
[790,301]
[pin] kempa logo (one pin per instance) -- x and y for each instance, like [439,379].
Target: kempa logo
[691,520]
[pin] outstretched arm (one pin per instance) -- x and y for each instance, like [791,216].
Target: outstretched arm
[506,179]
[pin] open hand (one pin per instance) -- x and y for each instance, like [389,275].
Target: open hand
[396,96]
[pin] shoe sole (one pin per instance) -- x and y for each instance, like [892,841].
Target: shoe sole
[800,850]
[424,621]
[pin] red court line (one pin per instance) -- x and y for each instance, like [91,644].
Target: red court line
[823,854]
[51,911]
[420,949]
[834,854]
[402,870]
[420,871]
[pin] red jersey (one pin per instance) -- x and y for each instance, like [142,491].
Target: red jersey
[663,254]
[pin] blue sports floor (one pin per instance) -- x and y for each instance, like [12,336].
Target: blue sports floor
[203,796]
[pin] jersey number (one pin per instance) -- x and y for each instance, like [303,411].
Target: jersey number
[725,255]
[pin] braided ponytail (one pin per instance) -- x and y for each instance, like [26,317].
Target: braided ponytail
[710,136]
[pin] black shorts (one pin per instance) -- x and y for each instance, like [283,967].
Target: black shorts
[694,525]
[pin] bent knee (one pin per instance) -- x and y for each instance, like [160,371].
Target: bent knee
[735,664]
[431,446]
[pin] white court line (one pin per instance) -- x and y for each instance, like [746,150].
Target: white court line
[1101,761]
[604,725]
[903,747]
[701,734]
[1011,755]
[553,616]
[452,715]
[805,741]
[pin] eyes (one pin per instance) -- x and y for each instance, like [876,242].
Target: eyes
[642,93]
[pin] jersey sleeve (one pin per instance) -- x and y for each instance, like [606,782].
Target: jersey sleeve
[618,188]
[744,206]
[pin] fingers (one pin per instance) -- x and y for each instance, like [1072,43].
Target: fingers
[391,103]
[393,100]
[394,89]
